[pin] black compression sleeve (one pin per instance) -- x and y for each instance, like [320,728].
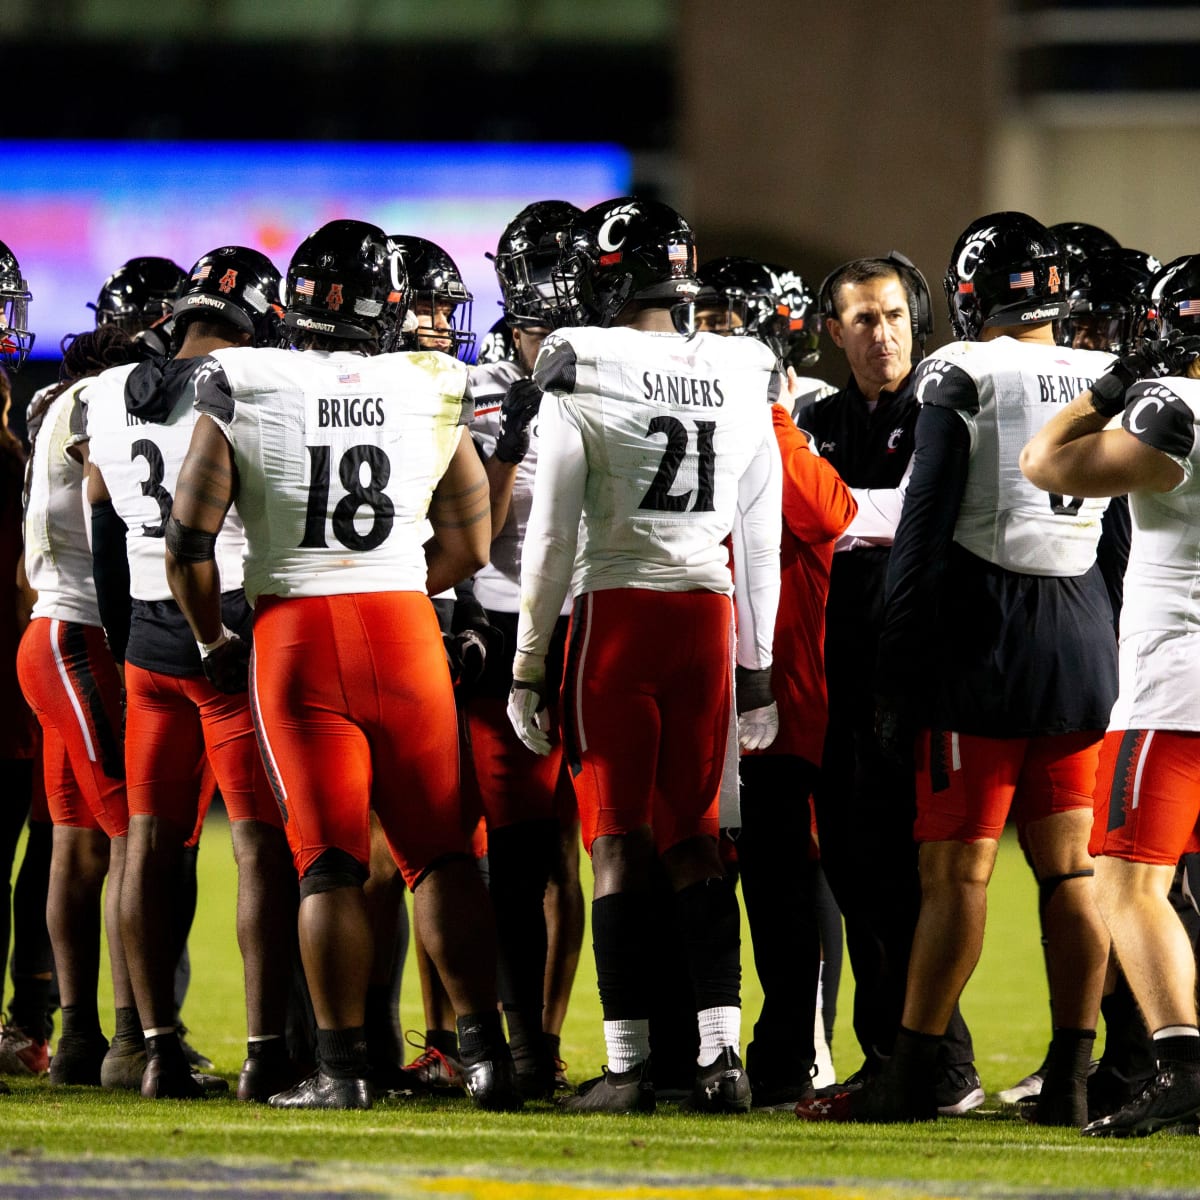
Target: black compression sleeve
[110,567]
[921,550]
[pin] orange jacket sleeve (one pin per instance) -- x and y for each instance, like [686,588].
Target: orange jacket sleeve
[817,504]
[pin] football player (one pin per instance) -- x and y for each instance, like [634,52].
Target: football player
[528,802]
[71,681]
[137,298]
[181,708]
[997,645]
[776,783]
[653,447]
[341,459]
[1147,794]
[439,299]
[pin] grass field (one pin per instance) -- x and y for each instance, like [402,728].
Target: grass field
[82,1142]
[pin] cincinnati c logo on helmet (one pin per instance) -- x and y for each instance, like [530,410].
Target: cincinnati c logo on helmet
[228,281]
[613,219]
[968,260]
[334,298]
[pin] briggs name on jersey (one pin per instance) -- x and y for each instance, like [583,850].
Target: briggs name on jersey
[344,412]
[682,389]
[1061,389]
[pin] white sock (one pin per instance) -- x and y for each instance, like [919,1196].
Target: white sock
[719,1027]
[627,1042]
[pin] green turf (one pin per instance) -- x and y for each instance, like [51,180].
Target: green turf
[1005,1005]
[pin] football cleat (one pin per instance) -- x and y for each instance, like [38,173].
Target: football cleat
[431,1071]
[20,1054]
[1171,1098]
[492,1084]
[874,1100]
[125,1064]
[1031,1085]
[721,1087]
[958,1090]
[77,1060]
[163,1080]
[561,1082]
[325,1091]
[614,1092]
[264,1077]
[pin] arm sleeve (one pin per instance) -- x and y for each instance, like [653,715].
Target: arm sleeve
[757,528]
[548,552]
[817,504]
[110,569]
[878,515]
[919,554]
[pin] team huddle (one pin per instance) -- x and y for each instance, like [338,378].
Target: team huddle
[628,579]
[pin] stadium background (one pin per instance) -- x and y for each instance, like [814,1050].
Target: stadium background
[799,132]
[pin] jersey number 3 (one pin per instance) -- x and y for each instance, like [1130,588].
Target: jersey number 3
[358,495]
[659,498]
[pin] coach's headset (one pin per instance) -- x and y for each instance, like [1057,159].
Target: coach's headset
[920,301]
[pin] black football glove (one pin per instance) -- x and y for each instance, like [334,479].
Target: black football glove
[517,410]
[474,639]
[1168,356]
[227,667]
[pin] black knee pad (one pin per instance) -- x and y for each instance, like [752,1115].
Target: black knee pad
[333,869]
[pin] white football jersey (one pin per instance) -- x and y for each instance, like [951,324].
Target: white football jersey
[337,457]
[1006,390]
[664,445]
[1159,660]
[58,555]
[140,461]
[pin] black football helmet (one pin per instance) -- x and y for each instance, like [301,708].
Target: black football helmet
[434,280]
[346,280]
[1175,297]
[1006,269]
[139,294]
[1109,299]
[626,249]
[15,339]
[497,344]
[526,257]
[1080,241]
[740,292]
[238,285]
[795,324]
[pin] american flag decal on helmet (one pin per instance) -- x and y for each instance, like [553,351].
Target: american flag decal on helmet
[1021,279]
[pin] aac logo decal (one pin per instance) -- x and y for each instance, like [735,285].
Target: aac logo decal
[228,281]
[334,299]
[968,259]
[615,219]
[1054,280]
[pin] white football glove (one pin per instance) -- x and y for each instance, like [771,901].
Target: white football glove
[529,717]
[758,727]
